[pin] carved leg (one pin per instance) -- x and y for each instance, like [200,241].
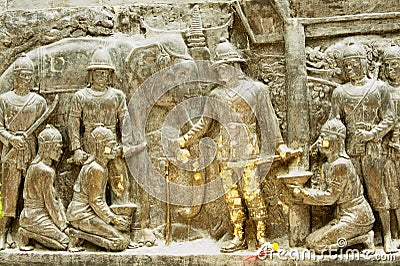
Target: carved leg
[46,241]
[74,241]
[24,240]
[369,242]
[116,243]
[239,241]
[7,226]
[236,211]
[384,215]
[397,212]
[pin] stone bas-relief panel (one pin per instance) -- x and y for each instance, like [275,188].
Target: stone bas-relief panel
[175,129]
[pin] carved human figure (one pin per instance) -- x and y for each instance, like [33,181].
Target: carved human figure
[246,97]
[391,63]
[364,106]
[354,218]
[88,213]
[19,109]
[43,216]
[101,103]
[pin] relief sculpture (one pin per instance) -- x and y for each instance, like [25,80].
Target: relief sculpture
[143,128]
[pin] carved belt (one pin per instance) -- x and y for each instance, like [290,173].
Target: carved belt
[90,128]
[32,204]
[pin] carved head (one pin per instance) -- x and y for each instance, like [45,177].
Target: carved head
[354,62]
[391,60]
[106,144]
[332,138]
[50,143]
[225,52]
[100,69]
[23,73]
[227,60]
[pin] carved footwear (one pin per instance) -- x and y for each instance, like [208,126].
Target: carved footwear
[236,244]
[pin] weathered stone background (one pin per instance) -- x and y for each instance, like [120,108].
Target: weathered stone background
[29,25]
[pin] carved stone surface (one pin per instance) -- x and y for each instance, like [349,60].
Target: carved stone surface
[159,67]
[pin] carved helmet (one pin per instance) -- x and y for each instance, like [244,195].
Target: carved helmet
[49,135]
[392,52]
[101,60]
[23,63]
[102,134]
[335,127]
[225,52]
[354,50]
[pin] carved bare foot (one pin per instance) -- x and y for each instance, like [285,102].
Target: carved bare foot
[146,238]
[74,241]
[24,240]
[388,245]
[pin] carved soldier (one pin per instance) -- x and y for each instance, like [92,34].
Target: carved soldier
[354,218]
[364,106]
[43,217]
[19,109]
[88,212]
[100,103]
[391,60]
[246,97]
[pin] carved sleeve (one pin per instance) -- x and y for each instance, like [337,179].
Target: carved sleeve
[51,201]
[336,103]
[338,174]
[4,134]
[95,187]
[386,114]
[265,94]
[74,122]
[201,126]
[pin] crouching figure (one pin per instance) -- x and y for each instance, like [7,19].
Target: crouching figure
[88,213]
[354,218]
[43,216]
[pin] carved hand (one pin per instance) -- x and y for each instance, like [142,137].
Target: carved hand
[364,135]
[80,156]
[287,153]
[18,142]
[120,221]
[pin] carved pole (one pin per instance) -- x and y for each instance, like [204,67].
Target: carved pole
[298,121]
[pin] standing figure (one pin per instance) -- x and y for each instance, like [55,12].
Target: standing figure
[43,217]
[391,60]
[88,212]
[19,109]
[354,218]
[364,106]
[100,103]
[239,150]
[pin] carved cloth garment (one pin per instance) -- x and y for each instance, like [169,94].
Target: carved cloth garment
[353,216]
[88,108]
[366,107]
[17,114]
[88,210]
[43,212]
[242,112]
[392,164]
